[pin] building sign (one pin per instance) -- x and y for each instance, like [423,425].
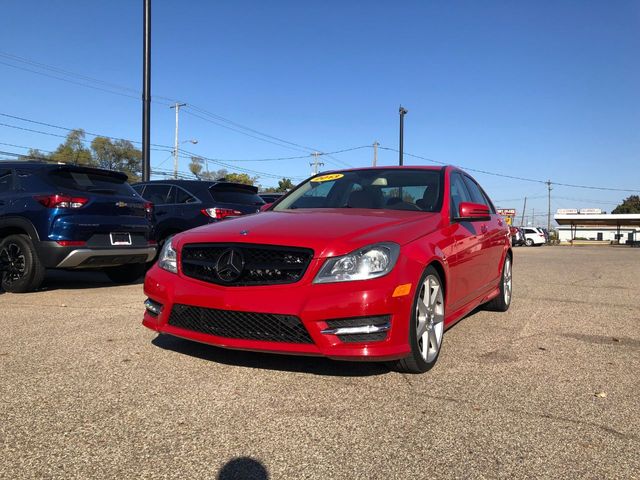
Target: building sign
[590,211]
[567,211]
[506,212]
[508,220]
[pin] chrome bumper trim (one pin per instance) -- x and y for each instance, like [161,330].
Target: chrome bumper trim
[76,257]
[355,330]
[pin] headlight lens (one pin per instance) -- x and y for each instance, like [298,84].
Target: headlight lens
[167,260]
[365,263]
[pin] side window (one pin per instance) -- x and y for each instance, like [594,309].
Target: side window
[478,194]
[157,194]
[182,196]
[474,191]
[139,189]
[6,181]
[459,193]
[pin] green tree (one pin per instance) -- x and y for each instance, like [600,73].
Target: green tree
[630,204]
[73,150]
[241,178]
[198,167]
[284,185]
[118,155]
[35,155]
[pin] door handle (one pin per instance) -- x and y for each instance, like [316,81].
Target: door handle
[483,229]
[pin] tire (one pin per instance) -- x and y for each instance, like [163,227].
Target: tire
[502,302]
[126,273]
[425,347]
[25,272]
[529,242]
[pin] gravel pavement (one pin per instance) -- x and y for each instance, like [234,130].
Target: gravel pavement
[550,389]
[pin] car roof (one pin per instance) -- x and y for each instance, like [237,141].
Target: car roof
[198,184]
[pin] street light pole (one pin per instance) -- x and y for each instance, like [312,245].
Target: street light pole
[176,144]
[402,111]
[146,91]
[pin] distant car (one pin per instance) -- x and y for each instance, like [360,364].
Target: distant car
[184,204]
[534,236]
[363,264]
[70,217]
[270,197]
[517,236]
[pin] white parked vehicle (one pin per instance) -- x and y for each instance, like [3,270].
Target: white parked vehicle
[534,236]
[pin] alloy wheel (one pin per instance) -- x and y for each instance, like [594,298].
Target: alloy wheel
[430,318]
[507,280]
[13,256]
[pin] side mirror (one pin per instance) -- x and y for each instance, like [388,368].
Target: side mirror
[265,206]
[473,211]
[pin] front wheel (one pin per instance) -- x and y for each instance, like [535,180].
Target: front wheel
[502,302]
[426,327]
[126,273]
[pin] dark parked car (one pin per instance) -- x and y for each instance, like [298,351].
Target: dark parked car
[184,204]
[270,197]
[70,217]
[517,236]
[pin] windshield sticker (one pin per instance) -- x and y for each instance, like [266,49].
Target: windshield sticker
[328,178]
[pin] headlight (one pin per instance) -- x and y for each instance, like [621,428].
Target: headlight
[167,259]
[363,264]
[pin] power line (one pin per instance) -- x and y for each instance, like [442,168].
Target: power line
[237,127]
[524,179]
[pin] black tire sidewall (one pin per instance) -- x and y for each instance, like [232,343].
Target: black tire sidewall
[34,271]
[420,362]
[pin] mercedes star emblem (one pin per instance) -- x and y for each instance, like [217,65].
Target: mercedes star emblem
[230,264]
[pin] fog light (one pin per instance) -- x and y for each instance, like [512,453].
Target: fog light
[360,329]
[154,308]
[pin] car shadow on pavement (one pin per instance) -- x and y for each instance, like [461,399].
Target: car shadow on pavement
[271,361]
[78,279]
[243,468]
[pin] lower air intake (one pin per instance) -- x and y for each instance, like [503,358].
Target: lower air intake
[241,325]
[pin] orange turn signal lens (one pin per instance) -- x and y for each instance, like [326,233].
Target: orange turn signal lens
[402,290]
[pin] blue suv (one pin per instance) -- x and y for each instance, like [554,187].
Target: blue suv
[70,217]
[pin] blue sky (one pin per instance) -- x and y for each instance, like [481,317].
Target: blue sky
[541,90]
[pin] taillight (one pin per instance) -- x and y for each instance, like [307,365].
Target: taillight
[61,201]
[220,213]
[71,243]
[148,207]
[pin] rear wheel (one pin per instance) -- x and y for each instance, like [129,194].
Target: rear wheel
[126,273]
[502,302]
[529,242]
[426,326]
[24,271]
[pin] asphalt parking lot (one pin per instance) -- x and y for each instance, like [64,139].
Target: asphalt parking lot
[549,389]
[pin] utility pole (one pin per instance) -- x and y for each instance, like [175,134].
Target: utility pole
[533,217]
[146,90]
[549,207]
[524,209]
[315,162]
[375,153]
[402,111]
[175,145]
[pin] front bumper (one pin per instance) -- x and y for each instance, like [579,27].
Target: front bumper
[314,304]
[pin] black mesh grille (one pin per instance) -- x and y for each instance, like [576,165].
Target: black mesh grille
[258,264]
[243,325]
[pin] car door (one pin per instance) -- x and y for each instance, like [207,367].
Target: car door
[493,235]
[466,263]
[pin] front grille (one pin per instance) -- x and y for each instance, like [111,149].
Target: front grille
[242,325]
[241,264]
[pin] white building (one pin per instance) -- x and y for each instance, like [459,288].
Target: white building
[616,228]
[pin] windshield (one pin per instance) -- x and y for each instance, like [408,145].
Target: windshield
[393,189]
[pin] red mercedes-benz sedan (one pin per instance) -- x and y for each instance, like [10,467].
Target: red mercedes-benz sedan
[362,264]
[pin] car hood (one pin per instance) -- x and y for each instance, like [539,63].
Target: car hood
[328,232]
